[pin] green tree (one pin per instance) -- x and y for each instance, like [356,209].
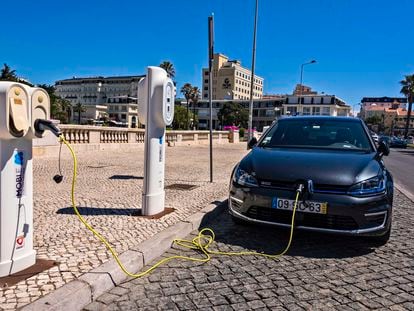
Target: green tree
[59,107]
[374,120]
[79,108]
[195,96]
[187,91]
[7,74]
[378,121]
[233,114]
[169,68]
[180,118]
[408,90]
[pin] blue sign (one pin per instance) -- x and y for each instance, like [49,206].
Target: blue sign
[18,158]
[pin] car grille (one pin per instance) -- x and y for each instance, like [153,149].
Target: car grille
[291,186]
[235,204]
[302,219]
[376,220]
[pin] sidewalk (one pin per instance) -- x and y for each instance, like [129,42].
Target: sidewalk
[108,191]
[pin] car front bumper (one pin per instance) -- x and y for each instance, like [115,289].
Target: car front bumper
[369,216]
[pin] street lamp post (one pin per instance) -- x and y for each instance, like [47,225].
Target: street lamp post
[250,124]
[301,82]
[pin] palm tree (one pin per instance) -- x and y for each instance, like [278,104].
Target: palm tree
[187,90]
[79,108]
[408,90]
[7,74]
[195,95]
[169,68]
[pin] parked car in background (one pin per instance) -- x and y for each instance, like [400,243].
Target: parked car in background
[385,139]
[410,140]
[397,142]
[375,137]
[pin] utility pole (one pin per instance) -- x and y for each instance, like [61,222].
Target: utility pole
[210,85]
[250,125]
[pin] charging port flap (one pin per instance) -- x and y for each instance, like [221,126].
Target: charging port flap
[18,116]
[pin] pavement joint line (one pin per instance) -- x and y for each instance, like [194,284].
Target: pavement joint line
[84,290]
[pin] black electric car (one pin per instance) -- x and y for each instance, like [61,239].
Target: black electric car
[348,190]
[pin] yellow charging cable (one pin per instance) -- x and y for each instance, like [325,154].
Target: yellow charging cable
[201,242]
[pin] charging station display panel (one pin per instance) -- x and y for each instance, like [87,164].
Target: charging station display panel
[168,107]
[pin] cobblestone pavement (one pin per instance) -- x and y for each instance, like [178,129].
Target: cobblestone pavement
[109,189]
[320,272]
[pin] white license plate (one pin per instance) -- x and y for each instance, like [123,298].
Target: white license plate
[307,206]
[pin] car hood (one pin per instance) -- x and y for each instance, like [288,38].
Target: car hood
[342,168]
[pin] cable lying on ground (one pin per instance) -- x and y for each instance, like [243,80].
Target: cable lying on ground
[200,243]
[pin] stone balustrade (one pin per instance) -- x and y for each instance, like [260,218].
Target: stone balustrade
[79,134]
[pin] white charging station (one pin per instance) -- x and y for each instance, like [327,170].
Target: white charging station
[20,106]
[155,111]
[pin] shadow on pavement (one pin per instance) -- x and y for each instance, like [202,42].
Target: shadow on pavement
[126,177]
[93,211]
[270,240]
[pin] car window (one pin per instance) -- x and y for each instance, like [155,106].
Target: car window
[338,134]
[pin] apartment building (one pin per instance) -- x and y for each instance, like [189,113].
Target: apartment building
[376,103]
[118,94]
[230,80]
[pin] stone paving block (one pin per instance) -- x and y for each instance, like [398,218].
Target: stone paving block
[108,192]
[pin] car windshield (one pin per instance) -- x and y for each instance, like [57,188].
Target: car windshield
[321,134]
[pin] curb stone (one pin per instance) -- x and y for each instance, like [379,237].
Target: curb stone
[77,294]
[404,191]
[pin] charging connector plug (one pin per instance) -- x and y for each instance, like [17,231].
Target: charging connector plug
[41,125]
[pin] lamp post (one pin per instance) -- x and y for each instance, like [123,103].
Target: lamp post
[301,86]
[250,124]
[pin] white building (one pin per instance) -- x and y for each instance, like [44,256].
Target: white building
[324,105]
[266,110]
[118,94]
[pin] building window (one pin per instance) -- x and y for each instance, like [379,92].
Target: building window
[206,73]
[326,111]
[206,81]
[205,88]
[306,111]
[316,110]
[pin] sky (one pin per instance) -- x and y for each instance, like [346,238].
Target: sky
[362,47]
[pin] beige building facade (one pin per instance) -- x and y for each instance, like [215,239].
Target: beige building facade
[113,97]
[230,80]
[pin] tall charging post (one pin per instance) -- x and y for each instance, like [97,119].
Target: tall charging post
[155,111]
[20,106]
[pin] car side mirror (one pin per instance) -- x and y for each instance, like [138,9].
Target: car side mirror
[252,143]
[383,148]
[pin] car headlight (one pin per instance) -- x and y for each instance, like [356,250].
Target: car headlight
[243,178]
[372,186]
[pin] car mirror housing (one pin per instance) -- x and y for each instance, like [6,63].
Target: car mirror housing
[383,149]
[252,143]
